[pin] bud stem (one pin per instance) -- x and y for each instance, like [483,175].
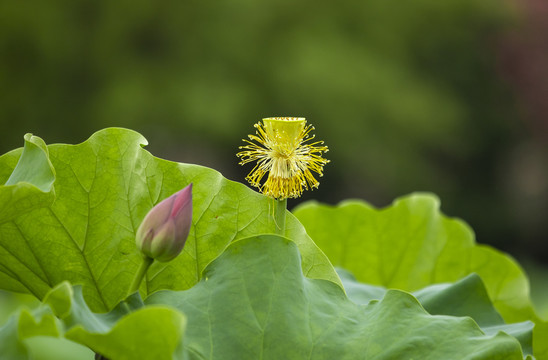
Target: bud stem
[145,264]
[279,216]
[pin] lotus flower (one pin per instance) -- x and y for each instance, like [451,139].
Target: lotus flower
[283,149]
[163,232]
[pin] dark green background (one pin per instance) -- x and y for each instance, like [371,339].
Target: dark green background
[408,95]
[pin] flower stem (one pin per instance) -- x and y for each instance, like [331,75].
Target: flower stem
[145,264]
[279,216]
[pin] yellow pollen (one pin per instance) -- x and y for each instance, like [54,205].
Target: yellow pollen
[281,147]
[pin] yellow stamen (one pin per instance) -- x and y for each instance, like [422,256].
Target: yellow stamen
[281,148]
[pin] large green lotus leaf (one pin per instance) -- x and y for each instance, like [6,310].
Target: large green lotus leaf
[104,187]
[129,331]
[255,303]
[411,244]
[27,178]
[34,335]
[152,332]
[52,348]
[466,297]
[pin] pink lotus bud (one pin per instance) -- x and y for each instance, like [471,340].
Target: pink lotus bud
[163,232]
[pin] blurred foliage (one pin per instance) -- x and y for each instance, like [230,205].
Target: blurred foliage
[9,302]
[538,275]
[406,94]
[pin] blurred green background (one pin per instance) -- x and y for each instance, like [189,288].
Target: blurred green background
[425,95]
